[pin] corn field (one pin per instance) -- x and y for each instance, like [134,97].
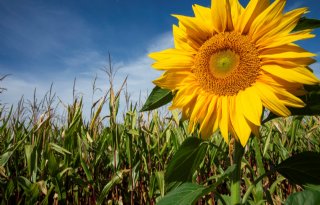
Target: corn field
[122,158]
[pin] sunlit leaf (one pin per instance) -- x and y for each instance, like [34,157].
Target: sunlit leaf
[157,98]
[306,23]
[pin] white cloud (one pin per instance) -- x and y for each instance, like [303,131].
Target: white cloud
[139,71]
[87,65]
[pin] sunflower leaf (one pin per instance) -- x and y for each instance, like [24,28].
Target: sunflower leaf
[157,98]
[304,197]
[186,160]
[187,193]
[306,23]
[301,169]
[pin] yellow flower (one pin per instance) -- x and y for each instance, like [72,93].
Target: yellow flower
[229,62]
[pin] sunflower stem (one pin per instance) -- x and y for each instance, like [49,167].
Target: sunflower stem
[238,152]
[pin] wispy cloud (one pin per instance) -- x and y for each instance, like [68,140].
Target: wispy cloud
[139,71]
[89,64]
[39,35]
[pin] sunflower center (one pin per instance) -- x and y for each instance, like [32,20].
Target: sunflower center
[222,63]
[227,63]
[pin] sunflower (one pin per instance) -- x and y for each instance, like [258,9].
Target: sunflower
[229,63]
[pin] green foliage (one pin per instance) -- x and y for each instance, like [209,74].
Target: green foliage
[302,168]
[47,161]
[157,98]
[187,193]
[306,23]
[304,197]
[186,160]
[149,157]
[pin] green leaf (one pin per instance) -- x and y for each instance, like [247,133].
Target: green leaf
[258,196]
[86,170]
[59,149]
[186,160]
[53,166]
[157,98]
[31,157]
[305,23]
[161,183]
[187,193]
[116,179]
[310,197]
[224,200]
[24,183]
[9,189]
[302,169]
[5,157]
[312,187]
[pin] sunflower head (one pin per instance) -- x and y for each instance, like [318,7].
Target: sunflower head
[230,62]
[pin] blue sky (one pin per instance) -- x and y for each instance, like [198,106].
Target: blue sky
[55,41]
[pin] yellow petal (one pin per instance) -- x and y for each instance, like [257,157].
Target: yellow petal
[221,16]
[195,115]
[239,123]
[194,28]
[236,10]
[251,105]
[290,63]
[184,96]
[292,87]
[300,35]
[171,80]
[171,53]
[288,98]
[203,14]
[207,123]
[281,28]
[288,54]
[283,48]
[267,19]
[223,124]
[217,115]
[270,100]
[181,40]
[182,63]
[299,74]
[253,9]
[187,109]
